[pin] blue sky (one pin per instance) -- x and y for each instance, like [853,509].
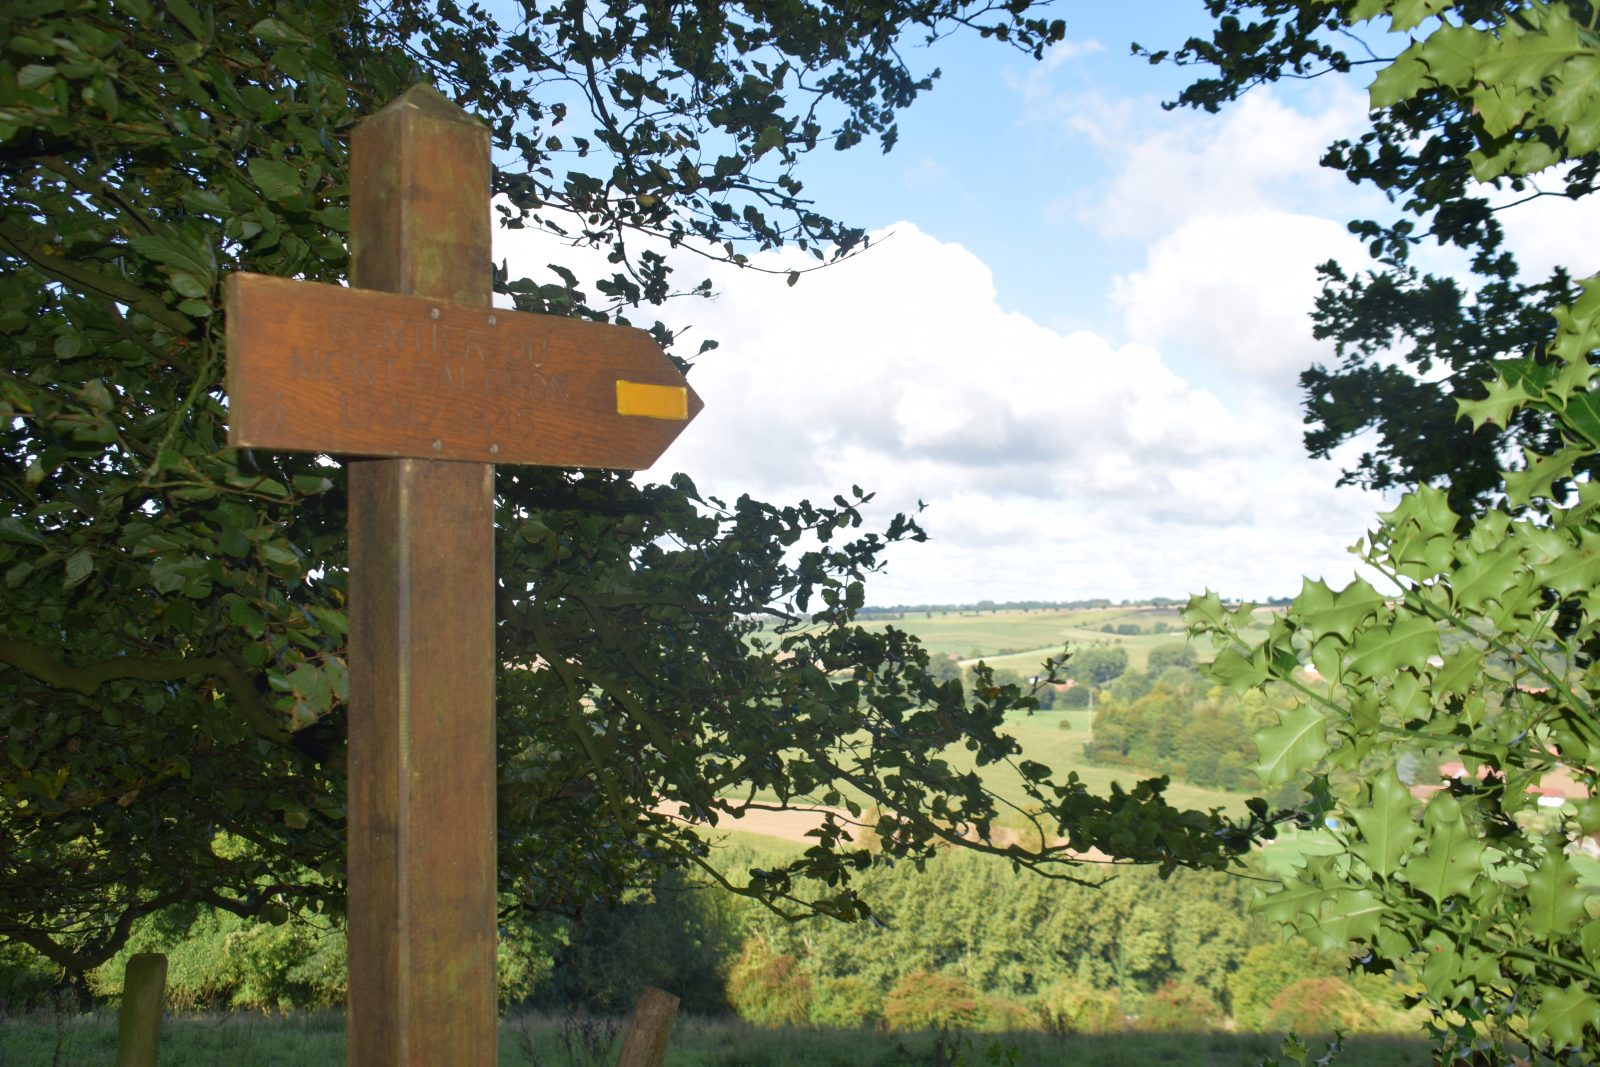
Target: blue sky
[1077,336]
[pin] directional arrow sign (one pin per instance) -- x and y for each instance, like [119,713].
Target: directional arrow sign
[322,368]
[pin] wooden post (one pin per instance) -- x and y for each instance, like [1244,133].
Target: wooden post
[413,363]
[421,720]
[649,1030]
[144,988]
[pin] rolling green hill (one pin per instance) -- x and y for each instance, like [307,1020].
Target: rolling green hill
[1021,640]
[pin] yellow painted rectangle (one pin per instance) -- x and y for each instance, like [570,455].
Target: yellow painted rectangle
[652,401]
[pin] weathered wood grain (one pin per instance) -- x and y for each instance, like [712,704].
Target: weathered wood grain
[421,849]
[324,368]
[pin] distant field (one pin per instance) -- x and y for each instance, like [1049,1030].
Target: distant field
[971,634]
[1021,640]
[1043,740]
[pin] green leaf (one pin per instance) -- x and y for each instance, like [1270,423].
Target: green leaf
[34,75]
[1462,669]
[191,20]
[1296,744]
[1582,416]
[182,252]
[278,180]
[14,529]
[1577,568]
[1564,1014]
[1540,474]
[1348,915]
[1409,642]
[79,566]
[1448,863]
[1388,828]
[1496,408]
[276,31]
[247,616]
[1322,611]
[1555,904]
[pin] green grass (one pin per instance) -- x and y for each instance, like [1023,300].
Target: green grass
[1044,741]
[988,634]
[1020,640]
[317,1040]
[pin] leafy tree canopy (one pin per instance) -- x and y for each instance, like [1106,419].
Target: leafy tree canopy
[1451,171]
[172,618]
[1452,733]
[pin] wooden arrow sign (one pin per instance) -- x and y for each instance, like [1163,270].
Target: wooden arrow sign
[322,368]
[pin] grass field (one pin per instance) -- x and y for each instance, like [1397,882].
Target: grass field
[1020,640]
[971,634]
[1044,740]
[317,1040]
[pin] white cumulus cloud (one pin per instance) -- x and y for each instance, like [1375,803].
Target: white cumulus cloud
[1053,464]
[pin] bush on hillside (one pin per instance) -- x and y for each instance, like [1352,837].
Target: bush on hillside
[1073,1007]
[846,1002]
[26,978]
[217,960]
[1074,699]
[1179,1006]
[1268,970]
[768,988]
[927,1000]
[1320,1006]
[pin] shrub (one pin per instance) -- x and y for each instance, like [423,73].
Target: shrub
[846,1001]
[290,966]
[1003,1015]
[26,978]
[1266,971]
[1320,1006]
[1074,1007]
[199,972]
[1179,1006]
[927,1000]
[768,988]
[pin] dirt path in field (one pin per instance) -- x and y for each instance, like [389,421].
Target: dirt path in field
[795,825]
[784,825]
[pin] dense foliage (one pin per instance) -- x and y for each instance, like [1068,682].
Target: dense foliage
[172,616]
[1478,645]
[1171,720]
[967,942]
[1411,344]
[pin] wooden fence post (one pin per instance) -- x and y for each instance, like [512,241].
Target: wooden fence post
[649,1030]
[144,988]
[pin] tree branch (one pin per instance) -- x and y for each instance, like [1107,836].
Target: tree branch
[32,659]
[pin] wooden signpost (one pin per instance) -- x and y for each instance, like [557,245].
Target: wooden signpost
[415,364]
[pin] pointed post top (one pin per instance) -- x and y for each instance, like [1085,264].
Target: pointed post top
[426,101]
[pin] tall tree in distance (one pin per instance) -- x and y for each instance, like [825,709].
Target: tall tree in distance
[1424,152]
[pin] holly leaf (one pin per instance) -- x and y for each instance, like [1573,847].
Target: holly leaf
[1323,612]
[1409,642]
[1564,1014]
[1298,741]
[1388,828]
[1449,861]
[1555,904]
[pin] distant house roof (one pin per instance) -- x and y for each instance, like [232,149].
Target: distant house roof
[1557,785]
